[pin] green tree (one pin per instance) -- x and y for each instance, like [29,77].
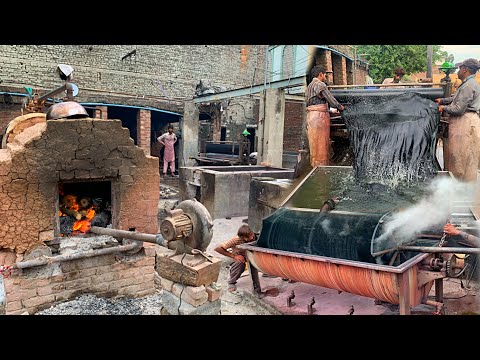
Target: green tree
[384,59]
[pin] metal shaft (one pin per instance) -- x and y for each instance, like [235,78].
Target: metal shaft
[155,239]
[429,249]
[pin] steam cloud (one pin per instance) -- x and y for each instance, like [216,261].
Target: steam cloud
[433,210]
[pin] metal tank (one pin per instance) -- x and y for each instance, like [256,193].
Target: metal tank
[348,263]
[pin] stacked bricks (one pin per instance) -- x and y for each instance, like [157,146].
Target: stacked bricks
[180,299]
[114,275]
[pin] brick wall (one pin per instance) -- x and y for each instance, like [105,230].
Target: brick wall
[292,138]
[143,129]
[339,66]
[113,275]
[101,112]
[149,73]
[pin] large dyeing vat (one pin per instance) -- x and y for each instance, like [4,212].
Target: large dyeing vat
[334,249]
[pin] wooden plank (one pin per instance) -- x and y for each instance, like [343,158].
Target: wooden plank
[404,293]
[178,269]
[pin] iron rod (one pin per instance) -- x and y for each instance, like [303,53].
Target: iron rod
[384,85]
[430,249]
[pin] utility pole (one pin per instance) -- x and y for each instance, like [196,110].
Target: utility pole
[429,61]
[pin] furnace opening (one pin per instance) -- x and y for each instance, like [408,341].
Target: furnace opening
[82,205]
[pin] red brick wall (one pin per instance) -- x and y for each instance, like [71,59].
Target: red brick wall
[143,129]
[339,65]
[114,275]
[292,133]
[101,112]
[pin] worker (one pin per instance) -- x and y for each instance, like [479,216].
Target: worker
[397,77]
[168,140]
[462,155]
[318,99]
[229,248]
[470,239]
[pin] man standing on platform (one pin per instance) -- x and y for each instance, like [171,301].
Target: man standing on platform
[318,99]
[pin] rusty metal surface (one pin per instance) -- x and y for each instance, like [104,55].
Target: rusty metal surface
[370,280]
[393,269]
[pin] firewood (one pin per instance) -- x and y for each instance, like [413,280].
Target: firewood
[70,212]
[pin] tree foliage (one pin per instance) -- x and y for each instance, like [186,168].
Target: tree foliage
[384,59]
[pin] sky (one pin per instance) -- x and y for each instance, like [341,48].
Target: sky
[462,52]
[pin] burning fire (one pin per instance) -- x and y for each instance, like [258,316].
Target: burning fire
[82,226]
[83,211]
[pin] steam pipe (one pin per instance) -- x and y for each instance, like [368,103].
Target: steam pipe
[80,255]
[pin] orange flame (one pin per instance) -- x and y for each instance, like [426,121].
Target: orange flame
[82,226]
[90,214]
[87,214]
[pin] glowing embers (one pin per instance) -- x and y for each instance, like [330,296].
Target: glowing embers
[82,205]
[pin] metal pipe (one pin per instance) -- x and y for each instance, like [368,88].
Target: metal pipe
[439,306]
[388,85]
[80,255]
[66,86]
[429,61]
[155,239]
[429,249]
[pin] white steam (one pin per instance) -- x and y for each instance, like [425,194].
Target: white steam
[433,210]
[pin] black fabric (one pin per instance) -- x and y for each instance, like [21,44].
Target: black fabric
[394,140]
[344,236]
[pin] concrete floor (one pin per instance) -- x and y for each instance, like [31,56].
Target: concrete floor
[331,301]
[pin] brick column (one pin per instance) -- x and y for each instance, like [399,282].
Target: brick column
[144,130]
[340,70]
[101,112]
[350,76]
[324,58]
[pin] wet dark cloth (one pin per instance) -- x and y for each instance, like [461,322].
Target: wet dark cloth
[394,140]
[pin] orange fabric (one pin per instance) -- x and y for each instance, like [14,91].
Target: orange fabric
[463,146]
[318,133]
